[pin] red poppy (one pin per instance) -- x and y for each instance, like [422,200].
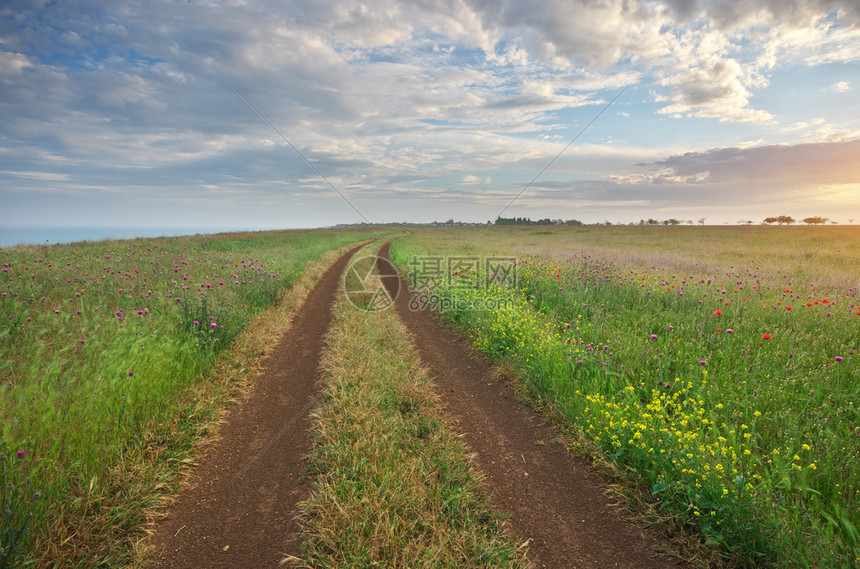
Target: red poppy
[788,308]
[718,313]
[766,336]
[719,329]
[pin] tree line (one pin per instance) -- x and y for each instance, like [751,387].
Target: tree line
[779,220]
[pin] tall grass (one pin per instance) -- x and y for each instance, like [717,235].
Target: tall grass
[725,389]
[104,349]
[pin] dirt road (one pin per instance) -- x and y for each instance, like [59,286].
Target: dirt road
[238,511]
[553,500]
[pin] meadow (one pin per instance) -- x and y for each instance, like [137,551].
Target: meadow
[112,367]
[715,368]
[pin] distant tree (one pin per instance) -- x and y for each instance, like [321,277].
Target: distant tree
[817,220]
[513,221]
[573,222]
[745,222]
[701,221]
[769,220]
[786,219]
[851,220]
[652,221]
[689,222]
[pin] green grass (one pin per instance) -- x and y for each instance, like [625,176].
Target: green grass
[113,367]
[392,486]
[751,440]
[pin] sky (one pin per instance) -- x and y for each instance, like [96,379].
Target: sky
[309,113]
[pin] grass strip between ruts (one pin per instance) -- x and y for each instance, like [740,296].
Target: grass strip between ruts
[392,485]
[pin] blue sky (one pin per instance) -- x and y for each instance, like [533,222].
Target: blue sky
[122,113]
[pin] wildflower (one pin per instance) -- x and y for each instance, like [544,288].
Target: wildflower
[766,336]
[653,336]
[838,358]
[214,325]
[788,308]
[196,322]
[718,312]
[702,362]
[130,373]
[729,330]
[21,454]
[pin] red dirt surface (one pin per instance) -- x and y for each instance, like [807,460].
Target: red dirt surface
[553,500]
[239,507]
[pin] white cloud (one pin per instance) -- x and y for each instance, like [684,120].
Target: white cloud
[43,176]
[841,87]
[662,176]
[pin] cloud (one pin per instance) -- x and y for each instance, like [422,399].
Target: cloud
[43,176]
[388,95]
[776,167]
[841,87]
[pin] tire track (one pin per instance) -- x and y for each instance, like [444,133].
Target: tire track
[239,509]
[554,502]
